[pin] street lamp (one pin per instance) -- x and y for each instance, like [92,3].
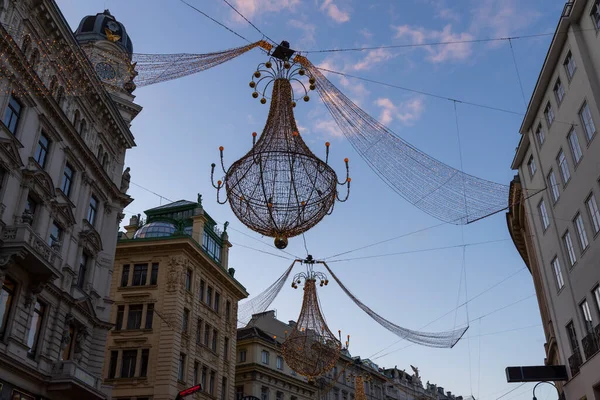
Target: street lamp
[550,383]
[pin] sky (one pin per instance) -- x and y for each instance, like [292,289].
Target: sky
[185,121]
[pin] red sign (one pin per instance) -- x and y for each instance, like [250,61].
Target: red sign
[189,391]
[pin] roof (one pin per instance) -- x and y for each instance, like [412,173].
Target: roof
[175,204]
[254,332]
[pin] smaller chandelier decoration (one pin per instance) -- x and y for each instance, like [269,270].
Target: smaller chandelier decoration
[311,349]
[280,188]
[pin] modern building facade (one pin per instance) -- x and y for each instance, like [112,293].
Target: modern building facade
[175,307]
[263,373]
[556,230]
[62,193]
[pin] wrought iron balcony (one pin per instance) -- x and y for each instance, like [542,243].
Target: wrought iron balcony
[32,252]
[71,381]
[591,343]
[575,362]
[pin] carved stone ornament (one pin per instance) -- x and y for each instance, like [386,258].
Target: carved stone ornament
[38,180]
[6,259]
[91,239]
[174,274]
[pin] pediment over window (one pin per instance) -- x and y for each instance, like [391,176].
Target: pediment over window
[91,240]
[40,181]
[63,212]
[9,152]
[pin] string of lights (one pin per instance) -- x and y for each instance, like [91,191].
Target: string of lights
[214,20]
[248,21]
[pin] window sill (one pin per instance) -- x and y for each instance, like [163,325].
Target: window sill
[127,331]
[125,288]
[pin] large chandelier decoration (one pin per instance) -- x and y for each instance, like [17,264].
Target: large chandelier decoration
[311,349]
[280,188]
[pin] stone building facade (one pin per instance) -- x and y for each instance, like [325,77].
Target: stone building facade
[62,192]
[175,307]
[262,372]
[557,230]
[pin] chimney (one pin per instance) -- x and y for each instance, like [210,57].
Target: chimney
[134,224]
[449,394]
[441,390]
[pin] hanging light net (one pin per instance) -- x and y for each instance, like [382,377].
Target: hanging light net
[311,349]
[359,388]
[439,190]
[430,339]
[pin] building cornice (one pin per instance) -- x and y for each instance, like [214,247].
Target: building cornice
[289,379]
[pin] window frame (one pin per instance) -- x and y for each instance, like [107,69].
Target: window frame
[596,295]
[59,233]
[13,112]
[84,261]
[540,135]
[154,274]
[553,183]
[531,166]
[119,318]
[42,149]
[67,180]
[242,355]
[544,218]
[144,361]
[584,242]
[563,166]
[188,279]
[93,210]
[135,312]
[181,368]
[585,108]
[264,357]
[575,147]
[570,249]
[594,213]
[125,270]
[569,59]
[586,313]
[549,114]
[132,365]
[558,276]
[559,91]
[595,14]
[38,317]
[279,363]
[149,316]
[143,274]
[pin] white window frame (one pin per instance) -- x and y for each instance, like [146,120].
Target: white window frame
[574,145]
[568,63]
[563,165]
[581,233]
[585,115]
[539,135]
[543,214]
[553,186]
[592,207]
[560,282]
[531,166]
[549,114]
[587,316]
[559,91]
[596,293]
[264,357]
[568,242]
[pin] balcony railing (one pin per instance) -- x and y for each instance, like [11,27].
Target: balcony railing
[575,362]
[591,343]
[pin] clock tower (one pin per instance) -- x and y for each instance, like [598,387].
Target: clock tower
[109,48]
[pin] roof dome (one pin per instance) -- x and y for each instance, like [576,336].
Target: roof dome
[155,229]
[103,26]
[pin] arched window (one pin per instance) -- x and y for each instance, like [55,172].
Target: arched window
[26,44]
[82,127]
[76,119]
[100,151]
[35,57]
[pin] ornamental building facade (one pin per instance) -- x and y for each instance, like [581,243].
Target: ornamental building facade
[175,307]
[62,193]
[557,230]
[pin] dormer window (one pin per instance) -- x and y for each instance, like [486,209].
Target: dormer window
[211,246]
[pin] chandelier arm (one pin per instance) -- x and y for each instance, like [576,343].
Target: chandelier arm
[347,193]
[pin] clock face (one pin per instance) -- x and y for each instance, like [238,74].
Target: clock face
[113,26]
[105,71]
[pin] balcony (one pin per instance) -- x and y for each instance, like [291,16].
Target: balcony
[591,343]
[575,362]
[32,252]
[69,381]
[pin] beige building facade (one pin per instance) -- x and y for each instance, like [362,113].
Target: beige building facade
[557,230]
[174,308]
[62,193]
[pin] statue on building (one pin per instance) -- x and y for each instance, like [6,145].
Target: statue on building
[199,200]
[125,179]
[416,377]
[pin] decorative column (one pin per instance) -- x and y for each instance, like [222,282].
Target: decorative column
[198,219]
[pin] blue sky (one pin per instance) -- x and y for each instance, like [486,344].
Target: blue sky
[185,121]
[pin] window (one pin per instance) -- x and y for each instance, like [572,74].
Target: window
[592,207]
[154,274]
[201,291]
[211,383]
[112,366]
[265,357]
[280,363]
[264,393]
[42,150]
[587,316]
[549,114]
[140,272]
[12,114]
[149,316]
[67,180]
[35,327]
[539,135]
[181,369]
[93,210]
[544,215]
[134,316]
[559,91]
[56,234]
[125,275]
[144,361]
[224,388]
[574,144]
[83,262]
[553,186]
[558,273]
[242,356]
[209,296]
[570,66]
[564,167]
[572,337]
[210,245]
[595,14]
[203,379]
[588,123]
[531,166]
[199,331]
[196,372]
[569,247]
[215,339]
[583,240]
[128,363]
[217,301]
[227,310]
[185,321]
[226,349]
[206,334]
[188,279]
[119,320]
[597,297]
[279,395]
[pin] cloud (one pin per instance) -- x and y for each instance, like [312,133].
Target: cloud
[367,34]
[438,53]
[406,112]
[328,127]
[372,58]
[309,30]
[334,12]
[250,8]
[501,18]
